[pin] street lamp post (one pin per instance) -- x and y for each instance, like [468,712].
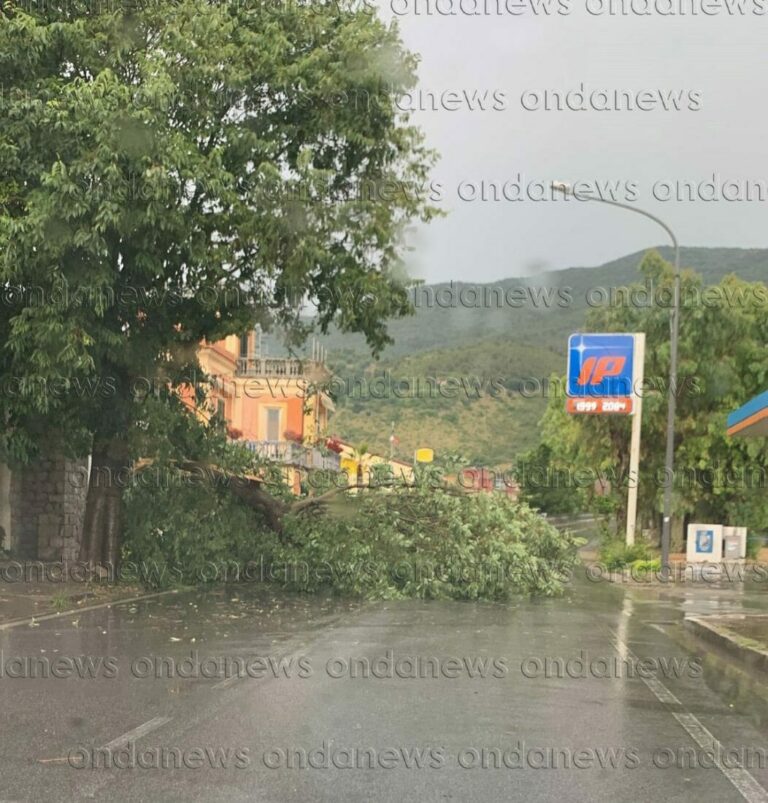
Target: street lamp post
[669,460]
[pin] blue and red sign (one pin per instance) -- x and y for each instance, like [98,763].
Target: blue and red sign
[600,373]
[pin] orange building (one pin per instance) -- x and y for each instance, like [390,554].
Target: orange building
[274,404]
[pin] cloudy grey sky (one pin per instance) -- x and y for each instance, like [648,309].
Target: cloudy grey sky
[720,130]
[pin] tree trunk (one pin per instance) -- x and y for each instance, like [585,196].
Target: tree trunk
[102,526]
[651,526]
[621,515]
[677,534]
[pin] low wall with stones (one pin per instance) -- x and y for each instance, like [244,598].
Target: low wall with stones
[47,508]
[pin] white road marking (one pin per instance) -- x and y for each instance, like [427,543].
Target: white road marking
[121,741]
[136,733]
[230,681]
[227,682]
[661,692]
[742,779]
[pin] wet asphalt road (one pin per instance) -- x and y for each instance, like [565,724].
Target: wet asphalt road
[320,734]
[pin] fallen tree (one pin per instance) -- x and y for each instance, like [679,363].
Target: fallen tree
[401,541]
[254,491]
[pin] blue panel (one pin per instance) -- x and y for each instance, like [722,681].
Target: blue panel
[748,410]
[705,542]
[600,365]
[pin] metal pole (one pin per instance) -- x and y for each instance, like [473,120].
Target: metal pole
[637,424]
[669,461]
[669,458]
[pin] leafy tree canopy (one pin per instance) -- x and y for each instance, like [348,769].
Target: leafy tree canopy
[181,170]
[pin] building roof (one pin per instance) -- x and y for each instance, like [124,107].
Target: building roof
[751,420]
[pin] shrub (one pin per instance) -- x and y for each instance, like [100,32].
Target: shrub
[754,545]
[616,554]
[540,483]
[646,566]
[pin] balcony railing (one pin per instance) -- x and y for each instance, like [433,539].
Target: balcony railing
[295,454]
[270,366]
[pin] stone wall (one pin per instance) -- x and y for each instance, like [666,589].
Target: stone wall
[47,507]
[5,507]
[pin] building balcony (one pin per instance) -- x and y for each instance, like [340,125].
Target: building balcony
[311,371]
[295,454]
[272,367]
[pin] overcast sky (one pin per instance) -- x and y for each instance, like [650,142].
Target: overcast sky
[720,129]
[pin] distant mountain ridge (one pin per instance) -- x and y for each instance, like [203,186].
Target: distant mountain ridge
[439,325]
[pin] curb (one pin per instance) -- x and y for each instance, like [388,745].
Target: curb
[750,656]
[26,620]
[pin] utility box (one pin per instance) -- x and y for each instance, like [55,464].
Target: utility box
[734,543]
[705,543]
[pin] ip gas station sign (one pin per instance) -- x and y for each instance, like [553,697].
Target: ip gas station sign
[605,375]
[601,372]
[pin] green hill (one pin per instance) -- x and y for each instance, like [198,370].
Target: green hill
[465,378]
[482,399]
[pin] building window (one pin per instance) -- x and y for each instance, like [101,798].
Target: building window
[244,346]
[273,423]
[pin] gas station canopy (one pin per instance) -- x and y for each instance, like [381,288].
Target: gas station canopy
[751,420]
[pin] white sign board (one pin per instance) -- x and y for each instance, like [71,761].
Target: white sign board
[705,543]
